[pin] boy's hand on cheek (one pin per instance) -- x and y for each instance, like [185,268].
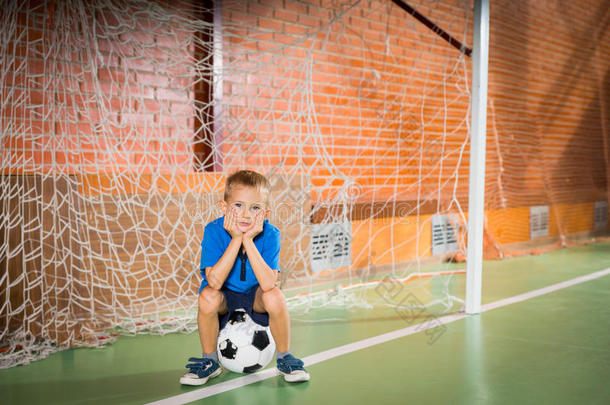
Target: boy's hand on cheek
[230,224]
[256,228]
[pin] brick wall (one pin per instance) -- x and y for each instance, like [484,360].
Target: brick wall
[384,97]
[547,124]
[379,84]
[96,90]
[364,101]
[350,81]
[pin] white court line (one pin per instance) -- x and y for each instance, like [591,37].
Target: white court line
[363,344]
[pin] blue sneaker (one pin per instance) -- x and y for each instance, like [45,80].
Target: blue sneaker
[200,371]
[292,369]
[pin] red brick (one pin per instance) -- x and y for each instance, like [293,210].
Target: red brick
[181,109]
[256,9]
[113,75]
[269,24]
[171,95]
[296,30]
[272,3]
[309,21]
[151,80]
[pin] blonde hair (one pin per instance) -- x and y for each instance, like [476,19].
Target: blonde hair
[248,178]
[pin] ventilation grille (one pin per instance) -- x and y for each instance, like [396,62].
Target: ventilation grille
[444,234]
[539,221]
[330,246]
[600,215]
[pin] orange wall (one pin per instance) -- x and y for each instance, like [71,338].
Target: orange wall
[400,239]
[390,240]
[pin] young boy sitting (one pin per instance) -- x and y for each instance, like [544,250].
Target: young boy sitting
[240,266]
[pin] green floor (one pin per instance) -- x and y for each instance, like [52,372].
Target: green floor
[552,349]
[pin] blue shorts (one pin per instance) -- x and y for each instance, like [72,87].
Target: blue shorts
[236,300]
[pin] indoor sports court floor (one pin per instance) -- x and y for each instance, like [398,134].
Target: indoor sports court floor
[543,338]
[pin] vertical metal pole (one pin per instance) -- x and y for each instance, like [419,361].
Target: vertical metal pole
[218,87]
[476,194]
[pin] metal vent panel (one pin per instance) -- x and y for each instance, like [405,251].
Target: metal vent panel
[600,215]
[444,234]
[539,221]
[331,246]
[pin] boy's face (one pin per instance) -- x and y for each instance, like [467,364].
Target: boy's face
[247,204]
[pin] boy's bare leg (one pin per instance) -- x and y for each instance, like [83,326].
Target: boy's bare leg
[274,303]
[211,303]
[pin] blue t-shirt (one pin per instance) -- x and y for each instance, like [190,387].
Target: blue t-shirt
[216,239]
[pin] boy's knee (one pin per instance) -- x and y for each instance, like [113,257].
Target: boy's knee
[274,299]
[210,300]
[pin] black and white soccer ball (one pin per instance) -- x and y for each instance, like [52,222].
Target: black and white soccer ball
[243,345]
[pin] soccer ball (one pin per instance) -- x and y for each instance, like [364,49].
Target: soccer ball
[243,345]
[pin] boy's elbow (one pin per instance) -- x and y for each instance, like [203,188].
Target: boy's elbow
[267,287]
[212,281]
[271,283]
[214,286]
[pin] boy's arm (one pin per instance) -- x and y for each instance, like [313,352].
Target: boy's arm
[265,275]
[217,274]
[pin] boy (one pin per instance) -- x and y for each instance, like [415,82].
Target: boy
[240,266]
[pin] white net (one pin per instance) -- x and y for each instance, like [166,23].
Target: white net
[121,119]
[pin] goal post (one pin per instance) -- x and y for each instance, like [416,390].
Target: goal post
[478,132]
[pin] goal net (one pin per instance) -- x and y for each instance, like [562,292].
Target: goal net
[121,120]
